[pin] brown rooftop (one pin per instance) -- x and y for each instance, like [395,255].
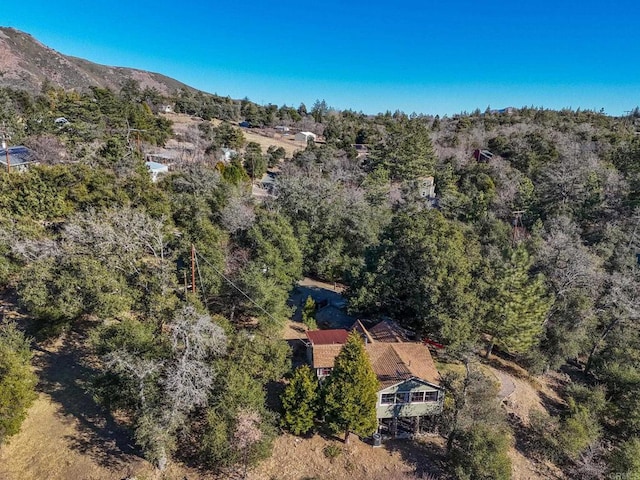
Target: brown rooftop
[327,337]
[324,356]
[387,331]
[393,358]
[391,362]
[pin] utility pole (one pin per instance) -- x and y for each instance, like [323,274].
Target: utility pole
[6,151]
[137,131]
[193,268]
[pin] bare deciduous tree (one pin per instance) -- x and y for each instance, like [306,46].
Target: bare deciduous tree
[134,367]
[566,261]
[238,214]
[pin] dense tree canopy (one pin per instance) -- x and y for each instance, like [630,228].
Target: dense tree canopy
[532,248]
[422,274]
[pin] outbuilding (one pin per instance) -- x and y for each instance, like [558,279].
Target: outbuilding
[305,137]
[16,158]
[156,169]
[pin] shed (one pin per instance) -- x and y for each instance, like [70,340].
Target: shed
[426,187]
[18,158]
[482,155]
[305,137]
[156,169]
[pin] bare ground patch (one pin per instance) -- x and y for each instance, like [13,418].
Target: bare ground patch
[297,458]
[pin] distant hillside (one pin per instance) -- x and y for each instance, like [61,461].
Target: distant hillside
[25,63]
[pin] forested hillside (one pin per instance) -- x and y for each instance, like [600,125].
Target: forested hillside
[529,253]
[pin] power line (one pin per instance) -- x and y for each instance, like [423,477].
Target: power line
[199,273]
[236,287]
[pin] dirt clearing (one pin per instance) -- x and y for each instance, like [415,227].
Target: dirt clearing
[297,458]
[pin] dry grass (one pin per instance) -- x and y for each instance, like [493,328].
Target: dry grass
[66,436]
[295,458]
[182,123]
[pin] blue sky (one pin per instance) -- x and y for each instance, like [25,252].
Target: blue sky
[423,56]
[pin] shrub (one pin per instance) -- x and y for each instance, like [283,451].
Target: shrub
[481,454]
[17,381]
[577,432]
[332,451]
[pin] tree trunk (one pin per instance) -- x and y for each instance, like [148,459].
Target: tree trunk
[597,343]
[450,438]
[489,349]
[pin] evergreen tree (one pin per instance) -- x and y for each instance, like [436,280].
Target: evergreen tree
[518,306]
[255,163]
[407,152]
[300,401]
[421,273]
[309,313]
[17,381]
[350,394]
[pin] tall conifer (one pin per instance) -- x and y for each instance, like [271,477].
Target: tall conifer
[350,394]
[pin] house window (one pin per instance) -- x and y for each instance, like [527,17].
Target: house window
[402,397]
[324,372]
[417,397]
[431,396]
[387,399]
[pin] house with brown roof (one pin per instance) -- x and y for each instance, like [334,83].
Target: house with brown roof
[409,381]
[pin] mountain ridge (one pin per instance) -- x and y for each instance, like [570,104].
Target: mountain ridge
[26,63]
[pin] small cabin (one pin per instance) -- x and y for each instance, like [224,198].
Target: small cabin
[409,381]
[304,137]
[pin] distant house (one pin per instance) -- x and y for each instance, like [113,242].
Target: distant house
[16,158]
[426,187]
[506,110]
[156,169]
[409,381]
[305,137]
[483,156]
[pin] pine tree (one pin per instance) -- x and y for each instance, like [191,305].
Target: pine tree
[300,401]
[350,394]
[422,273]
[407,152]
[309,313]
[517,307]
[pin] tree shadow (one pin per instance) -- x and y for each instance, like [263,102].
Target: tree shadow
[426,456]
[330,305]
[536,446]
[65,376]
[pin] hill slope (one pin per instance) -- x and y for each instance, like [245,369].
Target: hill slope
[25,63]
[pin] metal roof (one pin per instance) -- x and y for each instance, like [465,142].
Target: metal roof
[155,166]
[328,337]
[19,155]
